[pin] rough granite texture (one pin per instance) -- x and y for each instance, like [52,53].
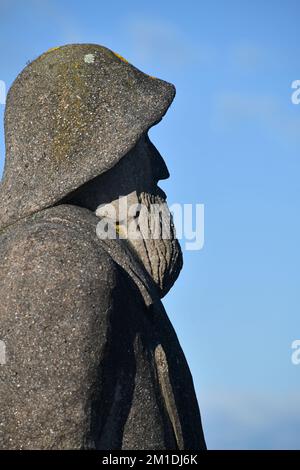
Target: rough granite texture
[71,115]
[89,365]
[92,360]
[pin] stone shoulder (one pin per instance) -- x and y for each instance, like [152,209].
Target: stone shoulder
[60,241]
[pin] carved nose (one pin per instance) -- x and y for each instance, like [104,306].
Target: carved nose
[160,170]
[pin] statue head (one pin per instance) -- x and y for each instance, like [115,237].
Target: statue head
[76,130]
[131,205]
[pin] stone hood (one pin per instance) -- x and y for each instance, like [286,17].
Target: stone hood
[71,115]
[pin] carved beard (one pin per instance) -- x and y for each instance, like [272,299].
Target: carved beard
[161,256]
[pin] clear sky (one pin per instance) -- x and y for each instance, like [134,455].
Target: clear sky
[231,141]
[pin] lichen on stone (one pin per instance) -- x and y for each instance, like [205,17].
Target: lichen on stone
[120,57]
[51,50]
[89,58]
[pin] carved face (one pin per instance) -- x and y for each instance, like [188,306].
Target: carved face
[141,215]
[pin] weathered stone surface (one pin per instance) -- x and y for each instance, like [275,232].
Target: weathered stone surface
[88,364]
[70,116]
[92,360]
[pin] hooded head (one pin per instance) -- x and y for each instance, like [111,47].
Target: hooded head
[76,125]
[70,116]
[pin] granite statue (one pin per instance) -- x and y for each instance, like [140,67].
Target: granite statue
[92,359]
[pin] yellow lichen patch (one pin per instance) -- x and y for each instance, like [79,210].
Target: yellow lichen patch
[121,58]
[120,231]
[51,50]
[71,116]
[118,228]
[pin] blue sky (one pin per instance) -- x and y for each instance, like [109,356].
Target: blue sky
[231,141]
